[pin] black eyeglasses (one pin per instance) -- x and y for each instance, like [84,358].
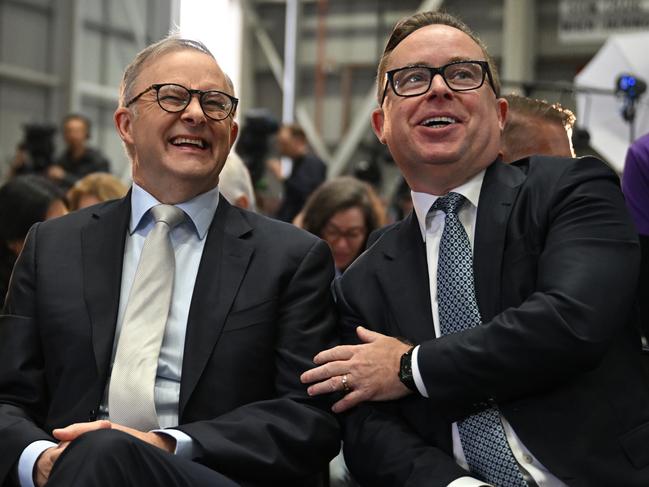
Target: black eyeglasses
[458,76]
[174,98]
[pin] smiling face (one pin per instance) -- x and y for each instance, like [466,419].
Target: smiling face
[442,138]
[176,156]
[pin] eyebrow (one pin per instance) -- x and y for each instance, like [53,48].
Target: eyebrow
[424,64]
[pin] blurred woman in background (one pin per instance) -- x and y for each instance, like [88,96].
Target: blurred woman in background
[95,188]
[24,200]
[343,212]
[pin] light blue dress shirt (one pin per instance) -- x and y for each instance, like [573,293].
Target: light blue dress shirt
[188,240]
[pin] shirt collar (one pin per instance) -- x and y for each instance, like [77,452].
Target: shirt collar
[424,201]
[200,209]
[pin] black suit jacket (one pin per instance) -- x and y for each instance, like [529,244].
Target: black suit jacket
[555,266]
[307,174]
[261,309]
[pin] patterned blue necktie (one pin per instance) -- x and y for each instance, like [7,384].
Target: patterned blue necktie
[483,438]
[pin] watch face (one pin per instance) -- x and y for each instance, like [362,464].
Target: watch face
[405,371]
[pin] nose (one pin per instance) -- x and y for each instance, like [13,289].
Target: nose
[341,244]
[193,113]
[438,87]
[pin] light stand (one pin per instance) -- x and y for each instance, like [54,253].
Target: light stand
[631,89]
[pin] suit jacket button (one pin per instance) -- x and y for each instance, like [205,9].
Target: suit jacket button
[92,415]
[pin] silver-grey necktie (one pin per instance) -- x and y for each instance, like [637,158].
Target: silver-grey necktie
[132,381]
[483,437]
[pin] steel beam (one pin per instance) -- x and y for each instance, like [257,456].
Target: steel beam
[277,68]
[28,76]
[519,32]
[290,59]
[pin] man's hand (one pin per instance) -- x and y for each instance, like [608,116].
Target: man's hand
[48,458]
[70,433]
[369,372]
[275,167]
[163,442]
[74,431]
[55,172]
[45,463]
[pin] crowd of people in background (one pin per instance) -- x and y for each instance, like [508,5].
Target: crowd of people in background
[343,211]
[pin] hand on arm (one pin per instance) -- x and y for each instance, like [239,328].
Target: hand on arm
[371,370]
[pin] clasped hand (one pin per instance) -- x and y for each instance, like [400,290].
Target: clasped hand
[365,372]
[66,435]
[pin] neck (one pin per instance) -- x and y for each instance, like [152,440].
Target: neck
[173,192]
[439,180]
[437,186]
[77,151]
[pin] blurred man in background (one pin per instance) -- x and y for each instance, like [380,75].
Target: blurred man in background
[78,159]
[536,127]
[305,174]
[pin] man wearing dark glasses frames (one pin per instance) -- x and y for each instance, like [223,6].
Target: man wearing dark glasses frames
[91,392]
[510,288]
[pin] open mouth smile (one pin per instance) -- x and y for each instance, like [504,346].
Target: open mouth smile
[193,142]
[438,122]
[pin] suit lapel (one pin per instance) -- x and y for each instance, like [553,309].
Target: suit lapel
[404,278]
[499,191]
[102,244]
[223,265]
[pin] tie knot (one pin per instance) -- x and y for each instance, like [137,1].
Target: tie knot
[450,203]
[168,214]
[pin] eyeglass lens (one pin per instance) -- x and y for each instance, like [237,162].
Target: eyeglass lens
[175,98]
[332,233]
[459,76]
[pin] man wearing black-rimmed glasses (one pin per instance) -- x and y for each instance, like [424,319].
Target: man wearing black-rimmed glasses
[158,339]
[510,289]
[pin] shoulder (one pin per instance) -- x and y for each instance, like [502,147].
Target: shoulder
[379,232]
[81,217]
[383,243]
[274,233]
[313,162]
[547,175]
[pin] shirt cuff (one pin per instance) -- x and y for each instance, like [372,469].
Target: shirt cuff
[185,445]
[419,382]
[28,459]
[468,482]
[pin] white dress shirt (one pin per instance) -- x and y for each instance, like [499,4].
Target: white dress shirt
[188,240]
[431,227]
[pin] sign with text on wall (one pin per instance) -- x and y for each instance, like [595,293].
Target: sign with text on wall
[595,20]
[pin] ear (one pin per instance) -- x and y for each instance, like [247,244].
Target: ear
[234,130]
[378,119]
[502,108]
[123,124]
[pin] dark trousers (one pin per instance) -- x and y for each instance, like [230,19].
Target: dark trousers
[107,458]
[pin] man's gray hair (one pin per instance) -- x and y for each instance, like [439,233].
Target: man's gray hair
[235,181]
[169,44]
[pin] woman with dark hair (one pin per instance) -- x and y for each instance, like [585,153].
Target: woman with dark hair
[343,212]
[24,200]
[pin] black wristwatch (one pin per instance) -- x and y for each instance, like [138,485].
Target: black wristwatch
[405,371]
